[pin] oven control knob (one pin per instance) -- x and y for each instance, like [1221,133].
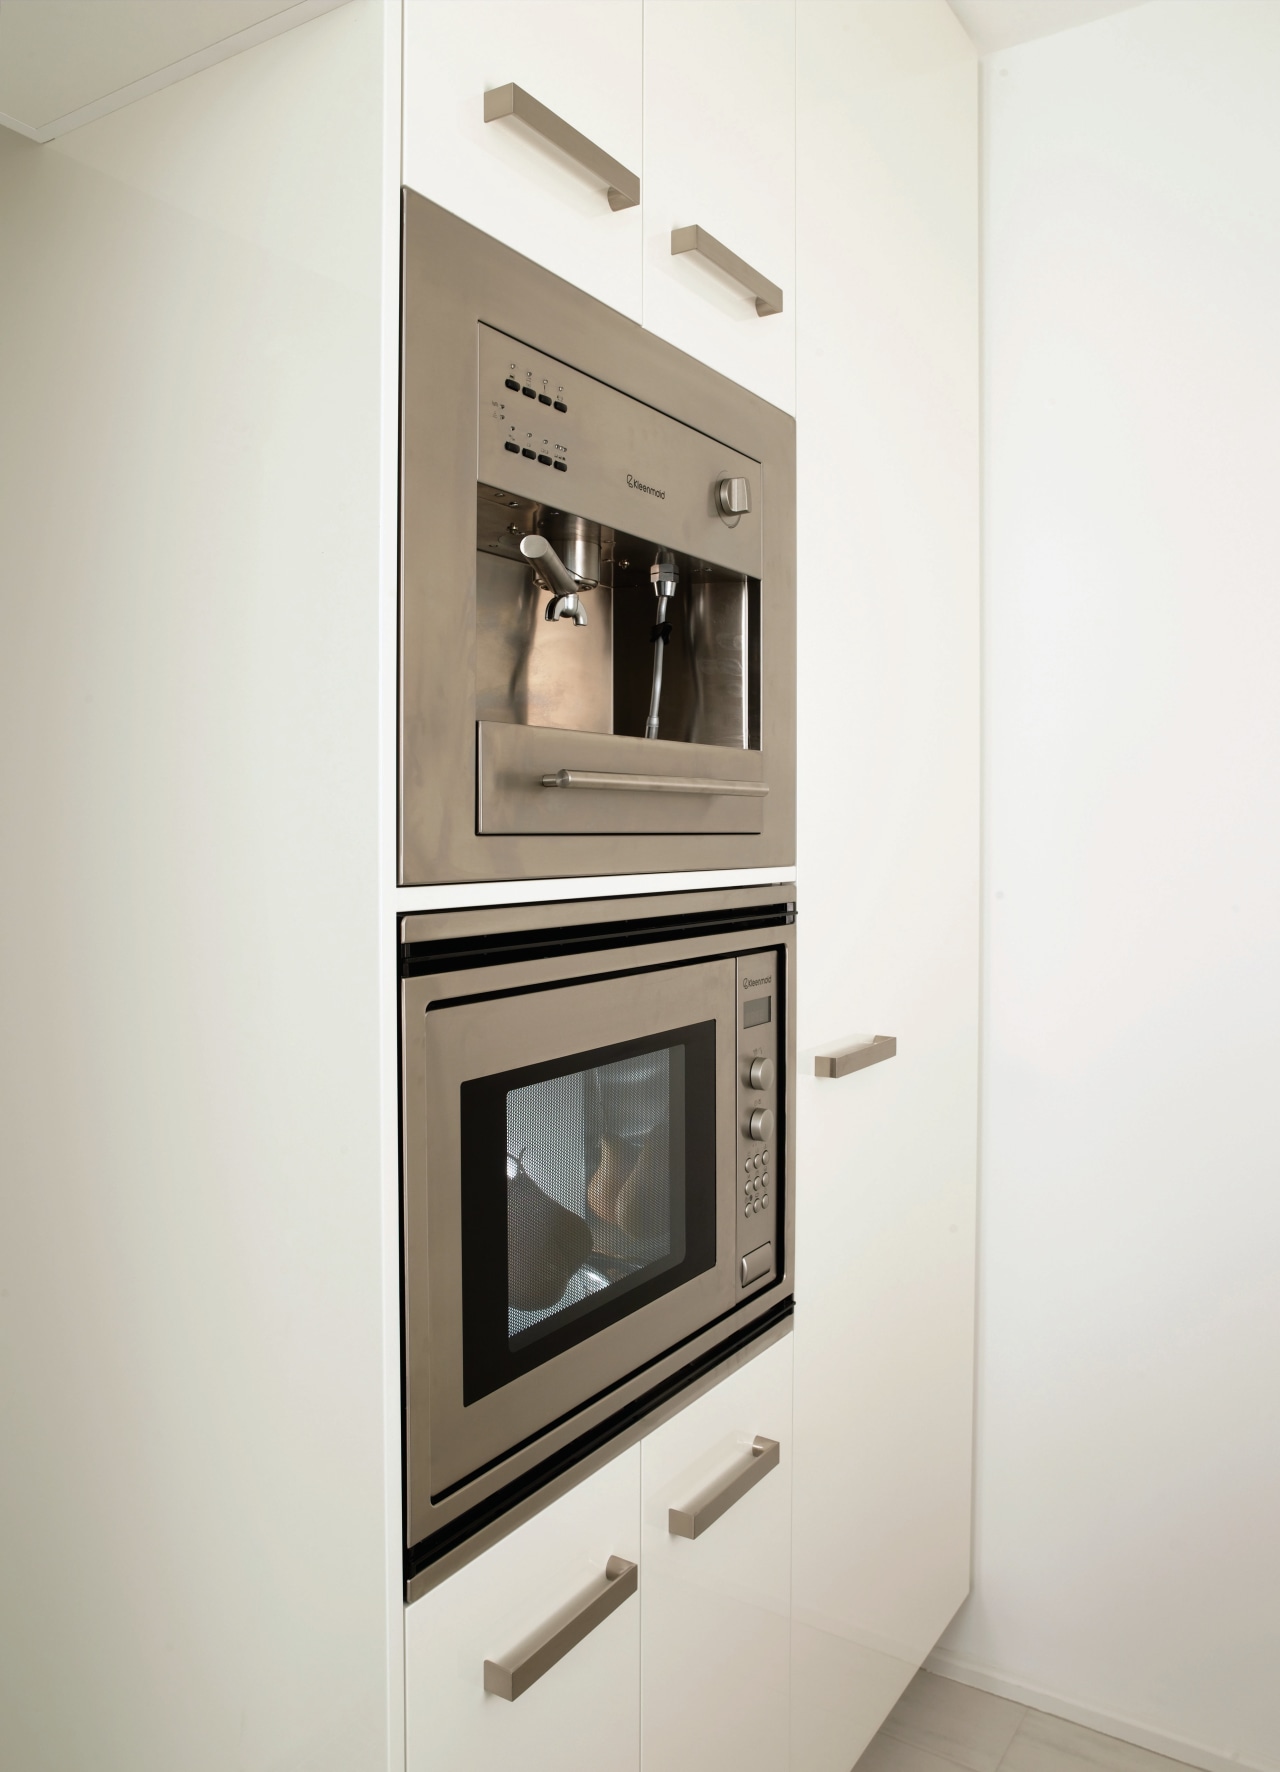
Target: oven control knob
[760,1125]
[760,1076]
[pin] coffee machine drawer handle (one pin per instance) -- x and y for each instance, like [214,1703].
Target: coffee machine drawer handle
[514,101]
[508,1679]
[768,296]
[691,1522]
[654,784]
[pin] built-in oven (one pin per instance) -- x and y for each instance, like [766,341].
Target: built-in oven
[597,585]
[597,1178]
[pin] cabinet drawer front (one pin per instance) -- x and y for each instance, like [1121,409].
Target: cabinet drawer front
[716,1607]
[581,59]
[719,102]
[582,1707]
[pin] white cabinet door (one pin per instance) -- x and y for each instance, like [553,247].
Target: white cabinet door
[714,1609]
[581,59]
[719,153]
[887,421]
[585,1710]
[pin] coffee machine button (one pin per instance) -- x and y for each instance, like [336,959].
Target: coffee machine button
[544,399]
[512,384]
[545,460]
[531,453]
[733,496]
[561,466]
[530,393]
[560,406]
[513,447]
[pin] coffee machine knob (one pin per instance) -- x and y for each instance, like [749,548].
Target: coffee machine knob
[733,497]
[760,1076]
[760,1125]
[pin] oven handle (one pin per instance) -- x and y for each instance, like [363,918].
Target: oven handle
[688,1523]
[508,1679]
[654,784]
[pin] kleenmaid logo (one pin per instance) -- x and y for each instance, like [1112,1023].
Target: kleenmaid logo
[639,486]
[750,983]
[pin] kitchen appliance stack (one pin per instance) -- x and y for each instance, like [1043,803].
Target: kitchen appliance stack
[597,679]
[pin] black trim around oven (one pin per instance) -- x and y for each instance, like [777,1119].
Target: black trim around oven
[460,953]
[430,1550]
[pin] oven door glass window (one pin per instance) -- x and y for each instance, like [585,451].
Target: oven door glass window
[588,1190]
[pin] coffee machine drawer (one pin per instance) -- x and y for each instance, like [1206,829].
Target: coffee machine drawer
[538,780]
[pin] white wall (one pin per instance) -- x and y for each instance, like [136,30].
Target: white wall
[1128,1471]
[193,1479]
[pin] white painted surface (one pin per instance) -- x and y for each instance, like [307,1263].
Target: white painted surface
[64,63]
[585,1711]
[189,1094]
[716,1609]
[1128,1557]
[491,892]
[388,616]
[580,58]
[719,150]
[1000,24]
[888,853]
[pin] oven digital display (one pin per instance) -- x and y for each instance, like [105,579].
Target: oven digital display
[756,1011]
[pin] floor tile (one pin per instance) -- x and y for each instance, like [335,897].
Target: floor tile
[1047,1744]
[958,1723]
[885,1754]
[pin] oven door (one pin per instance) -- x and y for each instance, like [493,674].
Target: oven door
[579,1223]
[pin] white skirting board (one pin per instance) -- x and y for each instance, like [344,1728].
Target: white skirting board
[986,1679]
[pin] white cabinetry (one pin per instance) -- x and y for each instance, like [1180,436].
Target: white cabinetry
[715,1609]
[584,1711]
[719,153]
[581,59]
[887,415]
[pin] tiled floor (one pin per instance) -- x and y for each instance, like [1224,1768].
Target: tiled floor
[940,1726]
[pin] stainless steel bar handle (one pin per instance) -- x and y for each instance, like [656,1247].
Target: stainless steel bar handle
[856,1058]
[654,784]
[514,101]
[768,296]
[508,1679]
[690,1522]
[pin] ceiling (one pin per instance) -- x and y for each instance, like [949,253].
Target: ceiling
[64,62]
[1000,24]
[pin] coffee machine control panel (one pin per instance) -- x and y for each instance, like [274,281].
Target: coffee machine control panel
[758,1167]
[549,432]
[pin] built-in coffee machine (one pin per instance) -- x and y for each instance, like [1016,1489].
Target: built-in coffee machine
[597,646]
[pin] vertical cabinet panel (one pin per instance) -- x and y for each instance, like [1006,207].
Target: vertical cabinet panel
[719,152]
[715,1608]
[888,853]
[581,59]
[583,1712]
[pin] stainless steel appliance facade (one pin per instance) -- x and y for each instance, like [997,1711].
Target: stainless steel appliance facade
[597,643]
[597,1176]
